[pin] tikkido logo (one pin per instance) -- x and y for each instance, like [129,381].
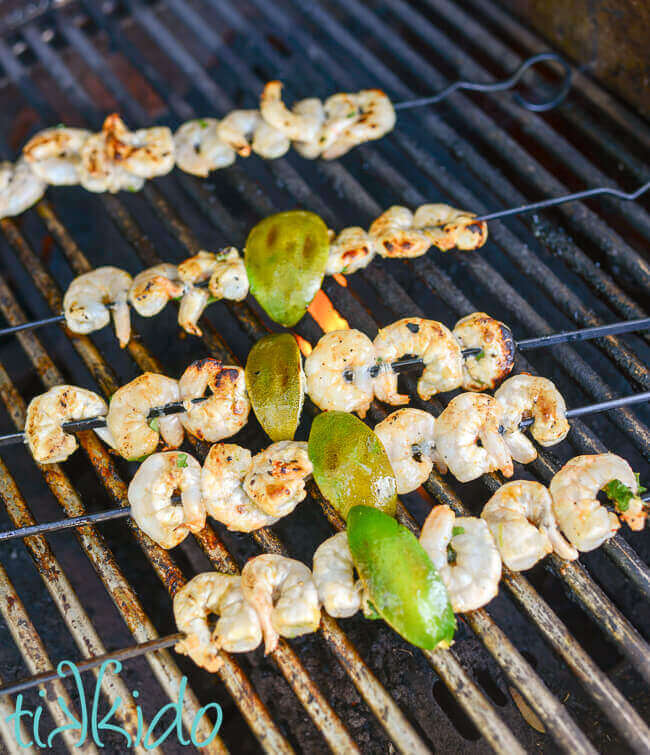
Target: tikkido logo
[91,726]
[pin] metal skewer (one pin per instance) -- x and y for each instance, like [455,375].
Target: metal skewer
[564,198]
[500,86]
[102,516]
[90,663]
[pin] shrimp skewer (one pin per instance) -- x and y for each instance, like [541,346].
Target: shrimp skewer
[237,629]
[333,572]
[521,519]
[464,553]
[585,522]
[468,439]
[283,593]
[88,298]
[152,489]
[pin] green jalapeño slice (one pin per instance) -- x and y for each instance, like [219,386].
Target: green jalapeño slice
[350,464]
[400,580]
[275,384]
[285,260]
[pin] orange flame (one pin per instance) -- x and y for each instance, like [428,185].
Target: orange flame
[322,310]
[303,344]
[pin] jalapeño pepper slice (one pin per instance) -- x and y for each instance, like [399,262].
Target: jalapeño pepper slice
[275,384]
[350,464]
[285,259]
[401,581]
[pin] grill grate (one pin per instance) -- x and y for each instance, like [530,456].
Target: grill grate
[574,266]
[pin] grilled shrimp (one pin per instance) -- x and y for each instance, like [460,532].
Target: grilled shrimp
[468,439]
[521,520]
[154,287]
[449,228]
[313,110]
[351,250]
[116,158]
[48,441]
[394,235]
[225,412]
[237,630]
[284,595]
[338,372]
[86,302]
[133,433]
[523,396]
[54,154]
[20,188]
[229,279]
[222,480]
[276,479]
[150,495]
[428,339]
[302,126]
[333,572]
[495,362]
[244,130]
[198,148]
[464,553]
[370,115]
[196,269]
[408,437]
[574,489]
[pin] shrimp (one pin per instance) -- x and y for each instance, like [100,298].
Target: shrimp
[229,279]
[338,372]
[276,479]
[133,433]
[116,158]
[225,412]
[574,489]
[244,130]
[524,396]
[302,126]
[198,148]
[88,298]
[54,154]
[427,339]
[47,440]
[394,235]
[154,287]
[313,110]
[468,439]
[150,494]
[351,250]
[408,437]
[485,370]
[449,228]
[222,479]
[196,269]
[370,115]
[20,188]
[237,630]
[284,595]
[521,520]
[464,553]
[333,573]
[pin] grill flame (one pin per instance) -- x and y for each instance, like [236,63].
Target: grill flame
[323,311]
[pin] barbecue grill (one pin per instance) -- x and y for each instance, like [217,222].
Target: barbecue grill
[558,660]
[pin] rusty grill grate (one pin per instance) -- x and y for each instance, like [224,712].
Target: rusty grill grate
[557,660]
